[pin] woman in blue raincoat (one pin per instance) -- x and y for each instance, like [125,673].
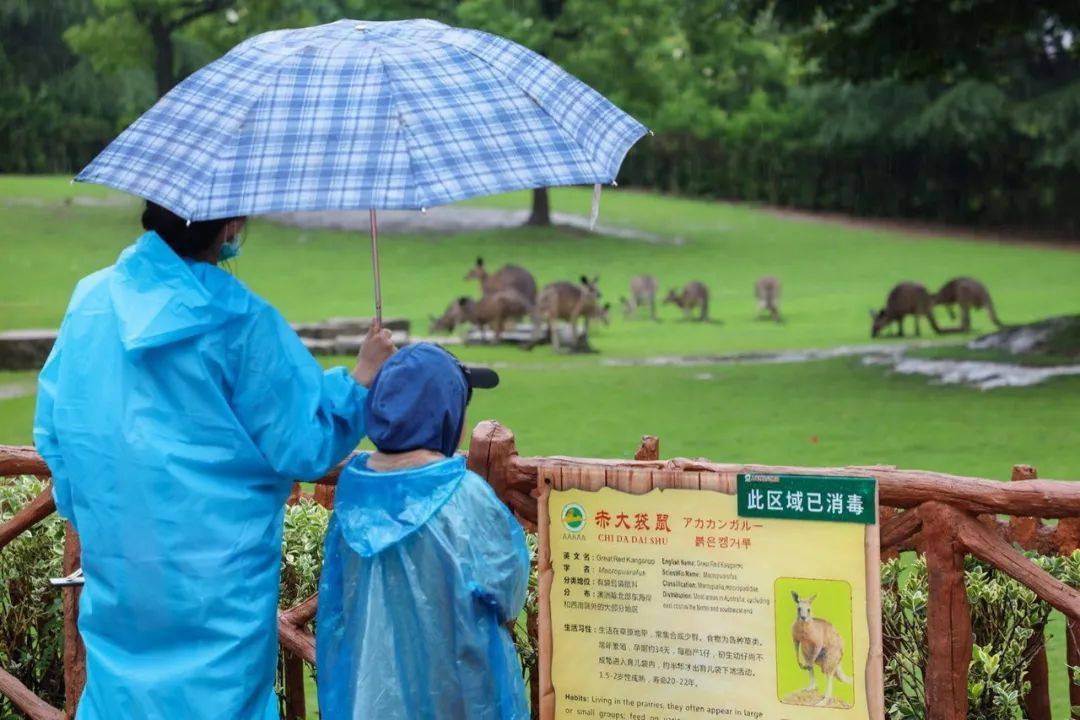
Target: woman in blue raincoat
[175,411]
[424,566]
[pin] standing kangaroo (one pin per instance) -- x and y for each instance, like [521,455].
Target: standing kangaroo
[508,277]
[817,643]
[969,294]
[693,295]
[569,302]
[907,298]
[767,292]
[642,292]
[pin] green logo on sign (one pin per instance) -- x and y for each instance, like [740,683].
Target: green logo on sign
[808,497]
[573,517]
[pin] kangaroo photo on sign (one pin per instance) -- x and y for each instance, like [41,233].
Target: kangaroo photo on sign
[678,595]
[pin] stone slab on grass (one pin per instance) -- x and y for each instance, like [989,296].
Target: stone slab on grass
[25,349]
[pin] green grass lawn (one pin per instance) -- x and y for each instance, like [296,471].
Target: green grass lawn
[819,413]
[832,275]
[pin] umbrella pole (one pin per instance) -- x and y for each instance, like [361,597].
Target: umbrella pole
[375,268]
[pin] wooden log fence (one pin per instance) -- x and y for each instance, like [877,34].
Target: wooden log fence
[945,517]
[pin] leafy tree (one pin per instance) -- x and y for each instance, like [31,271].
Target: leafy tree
[681,68]
[966,111]
[920,39]
[176,37]
[54,110]
[123,33]
[532,25]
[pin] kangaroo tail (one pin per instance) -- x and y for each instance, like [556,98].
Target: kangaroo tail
[993,313]
[933,320]
[842,676]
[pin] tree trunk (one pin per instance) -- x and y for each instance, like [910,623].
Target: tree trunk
[541,208]
[164,68]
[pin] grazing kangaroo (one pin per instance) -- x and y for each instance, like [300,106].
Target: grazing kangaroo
[642,292]
[508,277]
[569,302]
[907,298]
[693,295]
[767,292]
[603,314]
[449,320]
[969,294]
[494,309]
[817,643]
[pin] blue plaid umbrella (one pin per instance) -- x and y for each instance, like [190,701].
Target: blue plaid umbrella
[354,115]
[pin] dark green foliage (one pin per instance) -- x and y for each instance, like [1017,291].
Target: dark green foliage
[31,627]
[964,112]
[54,110]
[915,39]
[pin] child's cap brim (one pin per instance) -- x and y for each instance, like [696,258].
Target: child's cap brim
[482,378]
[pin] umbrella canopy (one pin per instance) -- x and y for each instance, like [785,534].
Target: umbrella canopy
[365,115]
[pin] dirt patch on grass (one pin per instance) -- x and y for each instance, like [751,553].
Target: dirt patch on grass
[10,391]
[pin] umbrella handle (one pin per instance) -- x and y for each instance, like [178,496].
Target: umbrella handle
[375,268]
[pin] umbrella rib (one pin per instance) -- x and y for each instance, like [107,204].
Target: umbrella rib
[406,132]
[265,88]
[602,172]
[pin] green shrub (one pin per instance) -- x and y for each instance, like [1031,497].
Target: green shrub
[1004,616]
[302,551]
[31,617]
[527,650]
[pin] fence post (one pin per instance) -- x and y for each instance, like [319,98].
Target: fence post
[1026,529]
[295,700]
[1067,537]
[74,650]
[948,616]
[649,449]
[490,449]
[1072,659]
[324,495]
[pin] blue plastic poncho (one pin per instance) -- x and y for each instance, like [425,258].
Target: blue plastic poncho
[422,569]
[174,412]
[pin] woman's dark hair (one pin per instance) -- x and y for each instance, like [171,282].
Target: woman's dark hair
[189,240]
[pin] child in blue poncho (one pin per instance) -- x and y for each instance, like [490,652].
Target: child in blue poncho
[424,566]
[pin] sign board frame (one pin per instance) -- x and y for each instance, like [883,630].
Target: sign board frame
[639,481]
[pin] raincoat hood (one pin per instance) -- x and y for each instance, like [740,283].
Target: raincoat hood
[378,509]
[160,298]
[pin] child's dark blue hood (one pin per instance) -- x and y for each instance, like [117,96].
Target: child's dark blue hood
[417,401]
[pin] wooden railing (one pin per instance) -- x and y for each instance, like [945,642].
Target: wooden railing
[944,516]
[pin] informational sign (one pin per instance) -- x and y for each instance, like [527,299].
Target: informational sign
[684,604]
